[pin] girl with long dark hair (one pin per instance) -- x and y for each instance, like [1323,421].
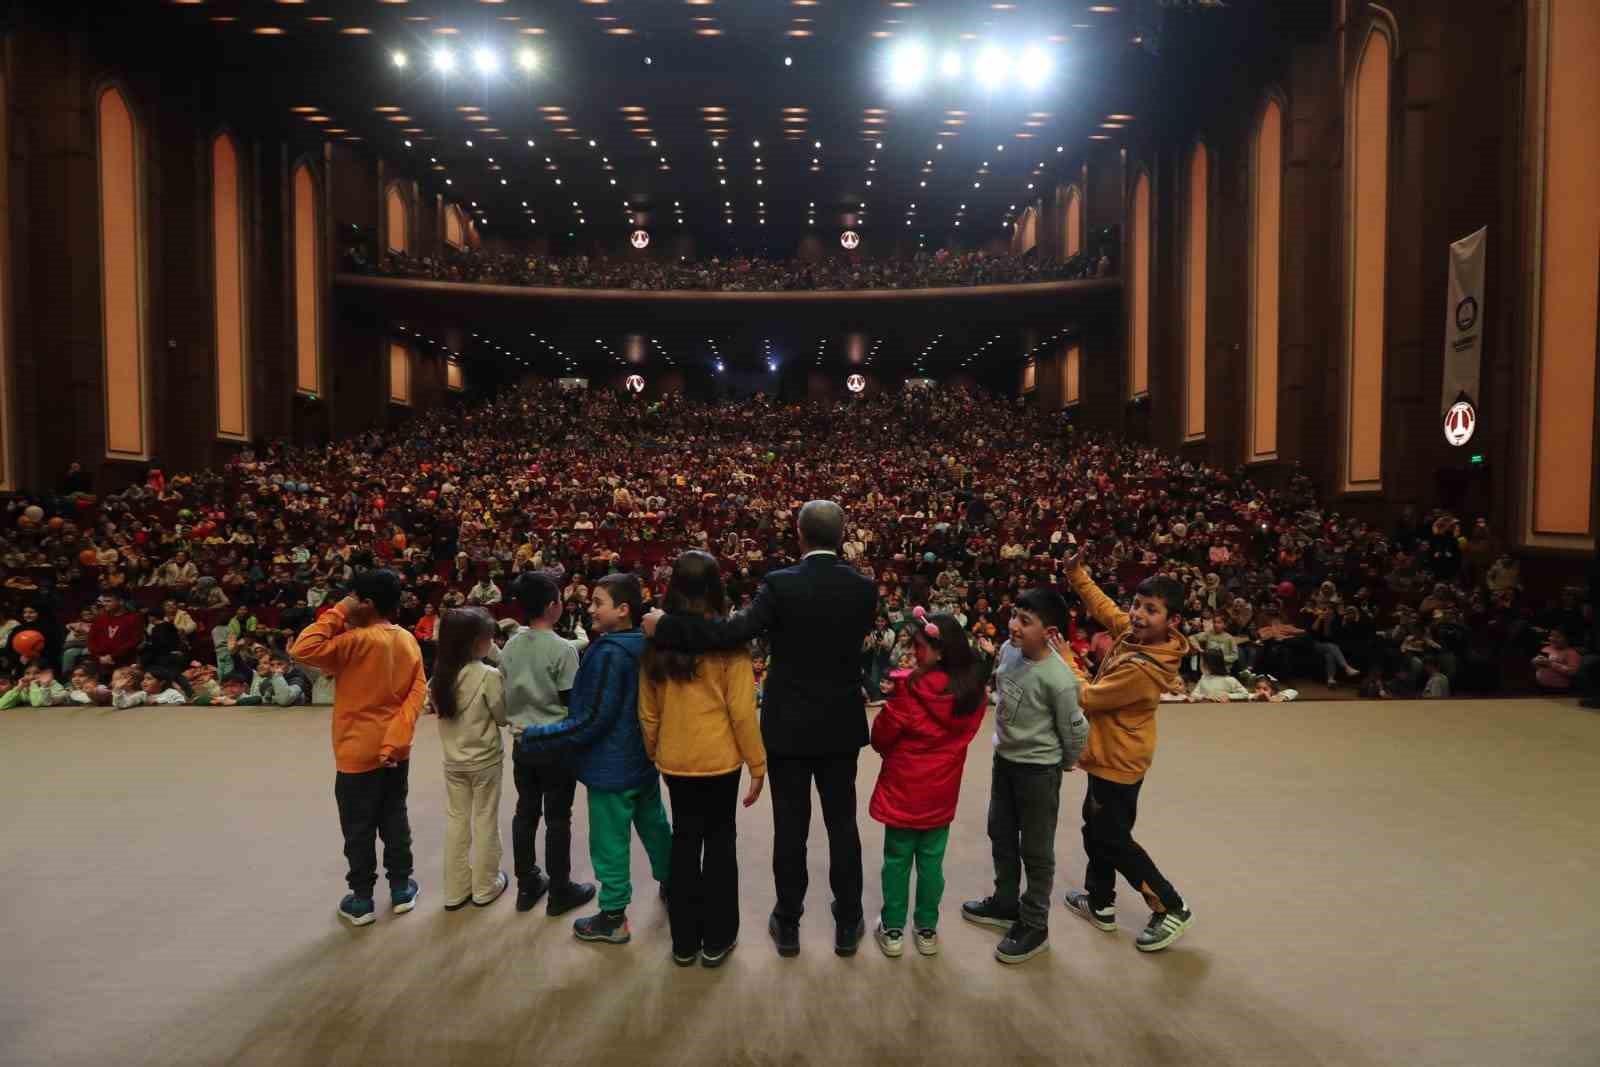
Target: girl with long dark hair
[922,733]
[698,717]
[470,699]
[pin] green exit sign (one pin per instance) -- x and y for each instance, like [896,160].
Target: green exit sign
[1477,459]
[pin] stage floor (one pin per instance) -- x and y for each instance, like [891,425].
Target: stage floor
[1373,883]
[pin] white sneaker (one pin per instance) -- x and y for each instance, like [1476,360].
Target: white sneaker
[891,941]
[928,942]
[500,883]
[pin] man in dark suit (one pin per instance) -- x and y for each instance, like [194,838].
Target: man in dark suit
[813,717]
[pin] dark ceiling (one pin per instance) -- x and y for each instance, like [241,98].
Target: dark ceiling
[628,96]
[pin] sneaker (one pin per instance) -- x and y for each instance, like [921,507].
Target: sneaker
[1164,928]
[928,942]
[572,895]
[1022,943]
[1103,918]
[987,912]
[357,911]
[403,900]
[891,941]
[500,883]
[528,895]
[708,958]
[685,959]
[457,905]
[609,926]
[785,935]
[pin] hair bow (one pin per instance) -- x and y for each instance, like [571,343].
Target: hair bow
[928,628]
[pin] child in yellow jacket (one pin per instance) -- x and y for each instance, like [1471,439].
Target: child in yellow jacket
[1120,701]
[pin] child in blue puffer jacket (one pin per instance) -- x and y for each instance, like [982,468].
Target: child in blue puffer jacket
[600,742]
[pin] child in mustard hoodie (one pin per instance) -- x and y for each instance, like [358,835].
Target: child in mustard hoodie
[1120,702]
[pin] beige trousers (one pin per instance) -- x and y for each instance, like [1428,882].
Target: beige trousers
[472,815]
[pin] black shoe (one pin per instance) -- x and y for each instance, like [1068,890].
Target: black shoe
[1021,943]
[785,935]
[607,926]
[716,958]
[987,912]
[685,959]
[528,895]
[572,895]
[847,937]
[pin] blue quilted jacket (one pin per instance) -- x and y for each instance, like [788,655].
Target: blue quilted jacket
[599,740]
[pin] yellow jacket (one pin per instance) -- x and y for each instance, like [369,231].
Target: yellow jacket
[706,726]
[1121,699]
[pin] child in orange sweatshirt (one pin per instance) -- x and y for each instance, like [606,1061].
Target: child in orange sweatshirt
[1121,701]
[375,707]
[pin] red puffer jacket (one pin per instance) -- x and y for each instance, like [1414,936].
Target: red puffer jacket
[924,749]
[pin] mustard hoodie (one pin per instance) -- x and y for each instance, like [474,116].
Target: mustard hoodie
[1122,697]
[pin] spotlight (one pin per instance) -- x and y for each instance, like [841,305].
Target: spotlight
[399,59]
[991,66]
[485,60]
[408,144]
[908,65]
[816,144]
[528,60]
[1034,67]
[788,61]
[950,65]
[755,144]
[444,60]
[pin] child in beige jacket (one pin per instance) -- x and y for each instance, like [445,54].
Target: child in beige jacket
[469,697]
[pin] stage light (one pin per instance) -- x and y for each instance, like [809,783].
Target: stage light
[408,144]
[816,144]
[908,65]
[1034,67]
[990,66]
[444,60]
[950,64]
[528,60]
[485,60]
[398,58]
[755,144]
[788,61]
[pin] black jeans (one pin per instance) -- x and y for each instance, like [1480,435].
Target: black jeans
[1109,809]
[1024,806]
[704,907]
[547,790]
[373,804]
[790,779]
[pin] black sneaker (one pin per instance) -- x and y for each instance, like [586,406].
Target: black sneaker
[716,958]
[1164,928]
[685,959]
[1103,918]
[847,937]
[608,926]
[572,895]
[1022,943]
[528,895]
[987,912]
[785,935]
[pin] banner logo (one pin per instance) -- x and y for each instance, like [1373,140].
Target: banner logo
[855,383]
[639,239]
[1460,422]
[850,239]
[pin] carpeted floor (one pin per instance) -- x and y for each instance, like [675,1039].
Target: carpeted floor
[1373,883]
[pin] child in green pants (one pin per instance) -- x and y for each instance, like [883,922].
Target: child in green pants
[922,733]
[601,743]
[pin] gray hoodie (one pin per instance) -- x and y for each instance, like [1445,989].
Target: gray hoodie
[1037,719]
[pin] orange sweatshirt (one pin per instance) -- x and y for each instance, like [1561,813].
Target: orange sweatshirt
[379,692]
[1122,698]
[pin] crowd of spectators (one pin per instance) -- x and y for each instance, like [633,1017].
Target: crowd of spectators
[731,275]
[190,587]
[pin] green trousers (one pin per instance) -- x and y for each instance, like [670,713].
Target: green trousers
[611,845]
[900,849]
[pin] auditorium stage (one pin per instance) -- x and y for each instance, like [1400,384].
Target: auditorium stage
[1373,883]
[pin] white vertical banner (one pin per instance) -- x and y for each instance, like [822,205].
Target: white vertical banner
[1463,326]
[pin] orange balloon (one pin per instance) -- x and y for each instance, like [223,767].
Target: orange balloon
[88,557]
[56,522]
[28,643]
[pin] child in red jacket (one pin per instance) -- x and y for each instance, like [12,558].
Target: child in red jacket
[922,733]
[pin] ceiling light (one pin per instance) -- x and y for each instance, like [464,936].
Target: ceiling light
[990,66]
[444,60]
[528,59]
[1034,67]
[398,59]
[485,60]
